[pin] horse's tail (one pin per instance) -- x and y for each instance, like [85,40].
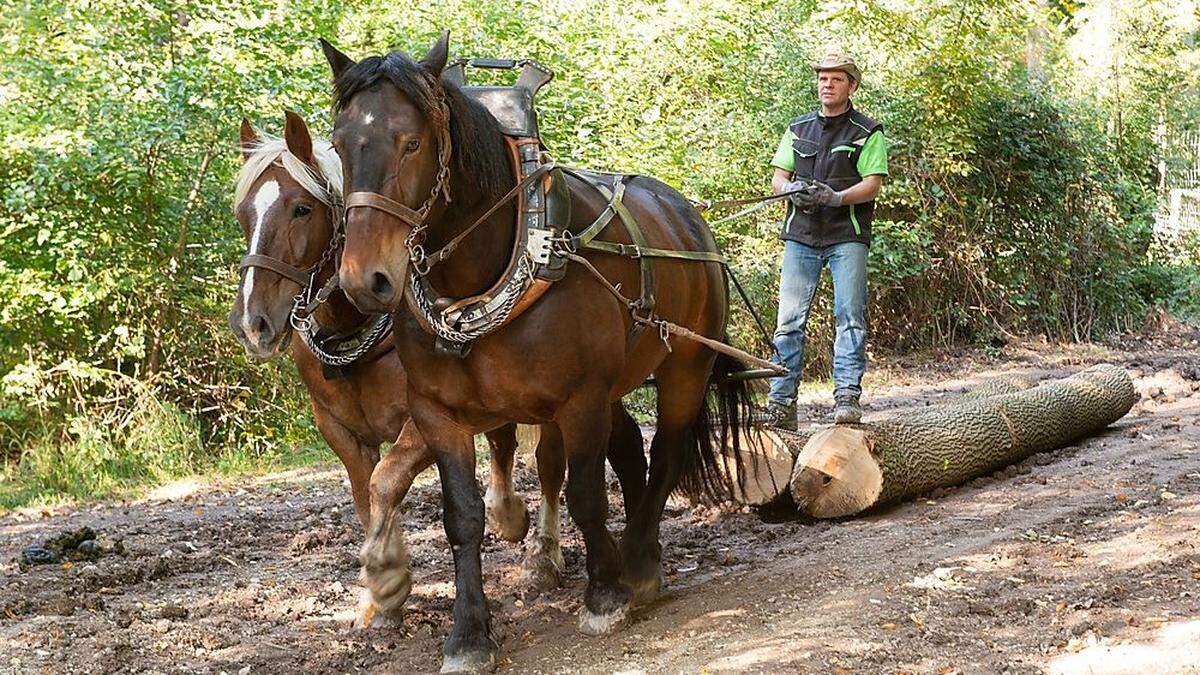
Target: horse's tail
[721,449]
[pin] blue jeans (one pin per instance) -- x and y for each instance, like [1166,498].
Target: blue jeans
[798,283]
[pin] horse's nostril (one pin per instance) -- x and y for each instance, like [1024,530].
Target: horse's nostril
[381,286]
[262,326]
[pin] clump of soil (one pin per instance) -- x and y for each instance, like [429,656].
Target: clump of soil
[77,545]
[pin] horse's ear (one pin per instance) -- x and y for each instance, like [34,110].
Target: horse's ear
[299,141]
[247,138]
[435,59]
[338,61]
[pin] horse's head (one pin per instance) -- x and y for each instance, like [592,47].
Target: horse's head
[284,199]
[405,136]
[392,132]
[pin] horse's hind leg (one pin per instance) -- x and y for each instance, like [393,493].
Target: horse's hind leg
[544,564]
[385,562]
[627,456]
[585,422]
[682,385]
[506,514]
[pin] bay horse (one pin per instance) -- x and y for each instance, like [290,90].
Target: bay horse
[285,199]
[413,138]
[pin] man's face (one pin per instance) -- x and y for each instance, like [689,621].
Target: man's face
[834,88]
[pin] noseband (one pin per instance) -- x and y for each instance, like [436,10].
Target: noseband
[415,219]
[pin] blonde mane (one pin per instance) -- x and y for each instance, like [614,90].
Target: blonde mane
[267,149]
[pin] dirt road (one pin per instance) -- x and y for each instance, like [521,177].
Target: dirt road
[1082,560]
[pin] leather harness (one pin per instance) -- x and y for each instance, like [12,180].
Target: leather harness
[543,244]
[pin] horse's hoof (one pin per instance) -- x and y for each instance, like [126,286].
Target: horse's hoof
[370,616]
[542,575]
[385,567]
[594,624]
[483,661]
[508,518]
[544,566]
[645,590]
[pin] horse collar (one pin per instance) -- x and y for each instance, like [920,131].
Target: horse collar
[543,208]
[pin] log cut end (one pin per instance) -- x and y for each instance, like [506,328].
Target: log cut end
[836,474]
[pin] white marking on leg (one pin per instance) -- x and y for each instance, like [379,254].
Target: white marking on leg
[549,524]
[548,520]
[264,199]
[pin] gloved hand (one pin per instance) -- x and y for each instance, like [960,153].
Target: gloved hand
[821,194]
[801,197]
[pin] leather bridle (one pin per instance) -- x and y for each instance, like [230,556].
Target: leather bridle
[416,219]
[307,299]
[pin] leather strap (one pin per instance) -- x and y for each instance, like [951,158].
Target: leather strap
[636,251]
[445,251]
[277,266]
[379,202]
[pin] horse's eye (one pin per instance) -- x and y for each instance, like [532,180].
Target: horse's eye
[413,145]
[301,210]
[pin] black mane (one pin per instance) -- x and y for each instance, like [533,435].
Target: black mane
[479,152]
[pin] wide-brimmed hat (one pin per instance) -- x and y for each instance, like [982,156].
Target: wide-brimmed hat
[836,60]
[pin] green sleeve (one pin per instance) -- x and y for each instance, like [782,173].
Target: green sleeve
[784,159]
[873,158]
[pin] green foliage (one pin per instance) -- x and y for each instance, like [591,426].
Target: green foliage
[1020,198]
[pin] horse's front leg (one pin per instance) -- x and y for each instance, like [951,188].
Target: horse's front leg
[386,575]
[470,647]
[585,422]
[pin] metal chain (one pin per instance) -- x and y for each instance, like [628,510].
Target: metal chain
[520,278]
[381,327]
[441,188]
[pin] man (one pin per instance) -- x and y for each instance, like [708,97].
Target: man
[833,161]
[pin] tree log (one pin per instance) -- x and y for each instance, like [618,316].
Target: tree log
[846,469]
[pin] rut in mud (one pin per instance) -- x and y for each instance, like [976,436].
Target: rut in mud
[1084,557]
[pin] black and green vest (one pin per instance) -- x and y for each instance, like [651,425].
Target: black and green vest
[827,149]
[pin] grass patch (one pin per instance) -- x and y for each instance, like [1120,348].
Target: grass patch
[78,433]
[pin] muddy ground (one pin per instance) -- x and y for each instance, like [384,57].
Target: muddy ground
[1081,560]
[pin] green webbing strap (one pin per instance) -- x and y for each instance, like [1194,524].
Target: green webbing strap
[640,243]
[640,249]
[605,217]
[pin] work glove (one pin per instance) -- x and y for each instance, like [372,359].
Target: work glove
[800,197]
[821,194]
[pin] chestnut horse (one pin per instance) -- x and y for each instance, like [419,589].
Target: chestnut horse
[284,200]
[413,138]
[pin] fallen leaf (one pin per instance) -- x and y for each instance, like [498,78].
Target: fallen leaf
[888,626]
[1122,497]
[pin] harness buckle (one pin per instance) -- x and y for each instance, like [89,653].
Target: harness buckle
[538,245]
[630,250]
